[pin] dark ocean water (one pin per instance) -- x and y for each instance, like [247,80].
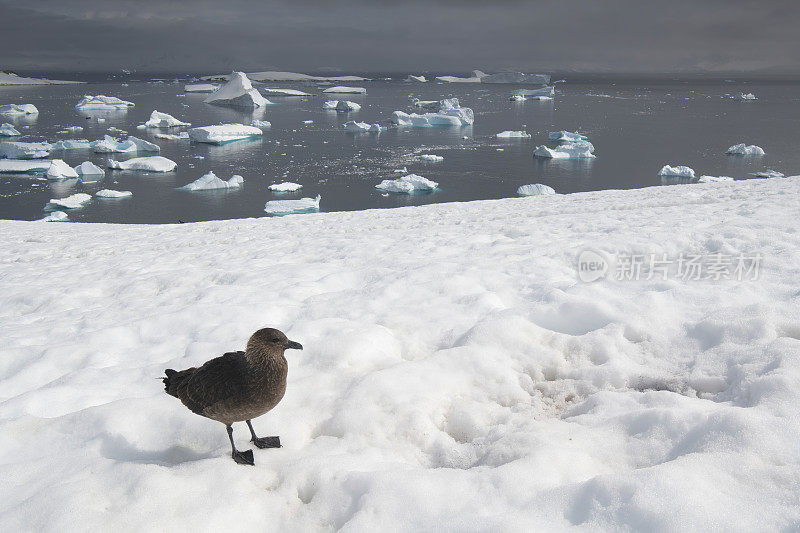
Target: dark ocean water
[635,126]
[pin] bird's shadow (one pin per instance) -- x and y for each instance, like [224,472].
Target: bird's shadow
[120,449]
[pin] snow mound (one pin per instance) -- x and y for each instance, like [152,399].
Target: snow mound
[743,149]
[154,163]
[341,89]
[224,133]
[110,193]
[60,170]
[362,127]
[237,92]
[420,79]
[284,92]
[342,106]
[22,150]
[24,166]
[409,184]
[74,201]
[566,136]
[200,88]
[87,169]
[431,158]
[544,91]
[569,150]
[163,120]
[677,171]
[15,110]
[509,134]
[286,186]
[102,103]
[535,189]
[211,181]
[7,130]
[286,207]
[516,77]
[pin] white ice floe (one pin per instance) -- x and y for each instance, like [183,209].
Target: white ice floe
[407,185]
[431,158]
[475,78]
[743,149]
[714,179]
[210,181]
[286,207]
[426,104]
[55,216]
[769,173]
[569,150]
[16,110]
[745,97]
[7,130]
[74,201]
[88,171]
[544,91]
[286,186]
[342,106]
[362,127]
[420,79]
[102,103]
[535,189]
[677,171]
[110,145]
[200,88]
[224,133]
[237,92]
[341,89]
[23,150]
[509,134]
[72,144]
[163,120]
[565,136]
[110,193]
[261,124]
[58,170]
[182,136]
[516,77]
[24,166]
[284,92]
[154,163]
[450,114]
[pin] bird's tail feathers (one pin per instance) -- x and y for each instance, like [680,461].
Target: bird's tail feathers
[174,378]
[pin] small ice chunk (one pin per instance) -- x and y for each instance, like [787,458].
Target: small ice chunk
[535,189]
[544,91]
[163,120]
[517,98]
[308,122]
[714,179]
[199,88]
[285,207]
[154,163]
[341,89]
[102,103]
[286,186]
[407,184]
[431,158]
[74,129]
[88,171]
[7,130]
[132,144]
[570,150]
[14,110]
[743,149]
[677,171]
[72,144]
[237,92]
[60,170]
[182,136]
[566,136]
[426,104]
[211,181]
[768,174]
[745,97]
[284,92]
[508,134]
[21,150]
[420,79]
[342,106]
[261,124]
[223,133]
[110,193]
[75,201]
[55,216]
[359,127]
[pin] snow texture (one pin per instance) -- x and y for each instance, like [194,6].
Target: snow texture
[743,149]
[210,181]
[409,184]
[224,133]
[154,163]
[287,207]
[237,92]
[535,189]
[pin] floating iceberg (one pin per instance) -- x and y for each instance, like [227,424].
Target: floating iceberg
[55,216]
[535,189]
[570,150]
[199,88]
[742,149]
[261,124]
[431,158]
[450,114]
[517,98]
[714,179]
[155,163]
[284,92]
[74,129]
[102,103]
[508,134]
[72,144]
[768,174]
[75,201]
[23,166]
[286,186]
[110,193]
[745,97]
[285,207]
[407,185]
[88,171]
[426,104]
[182,136]
[110,145]
[516,77]
[358,127]
[566,136]
[238,92]
[7,130]
[60,170]
[544,91]
[475,78]
[210,181]
[342,106]
[677,172]
[341,89]
[163,120]
[420,79]
[223,133]
[15,110]
[20,150]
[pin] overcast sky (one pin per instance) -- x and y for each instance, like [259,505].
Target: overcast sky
[392,36]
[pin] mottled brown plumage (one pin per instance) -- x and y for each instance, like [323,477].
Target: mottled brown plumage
[237,386]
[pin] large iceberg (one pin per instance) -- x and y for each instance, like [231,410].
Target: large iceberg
[60,170]
[102,103]
[15,110]
[223,133]
[155,163]
[450,114]
[7,130]
[743,149]
[362,127]
[407,184]
[109,145]
[110,193]
[21,150]
[70,202]
[566,136]
[535,189]
[544,91]
[516,77]
[284,92]
[342,106]
[679,171]
[285,207]
[200,88]
[508,134]
[163,120]
[210,181]
[238,92]
[569,150]
[88,171]
[286,186]
[341,89]
[24,166]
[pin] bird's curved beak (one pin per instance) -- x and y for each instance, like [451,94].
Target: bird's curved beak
[291,345]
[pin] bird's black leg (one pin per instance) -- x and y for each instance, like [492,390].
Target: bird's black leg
[243,458]
[263,442]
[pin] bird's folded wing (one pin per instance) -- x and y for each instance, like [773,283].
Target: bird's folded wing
[217,380]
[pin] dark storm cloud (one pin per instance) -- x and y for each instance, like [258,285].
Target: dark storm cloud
[440,35]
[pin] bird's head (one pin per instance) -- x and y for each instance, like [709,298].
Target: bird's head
[273,339]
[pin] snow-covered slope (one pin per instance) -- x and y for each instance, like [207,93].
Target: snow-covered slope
[456,374]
